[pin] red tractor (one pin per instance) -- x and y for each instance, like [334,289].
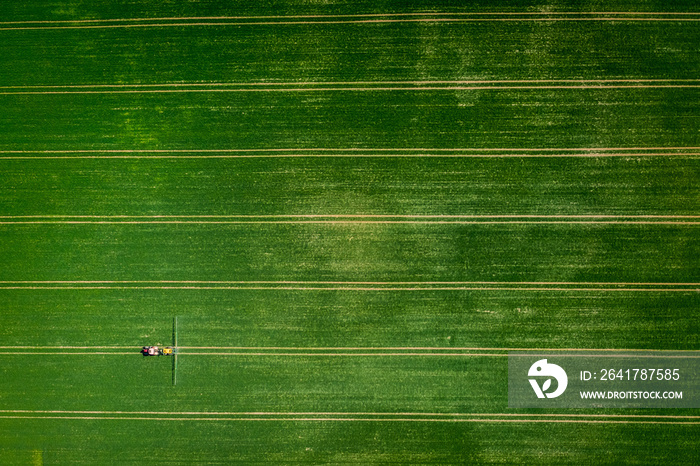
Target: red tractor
[156,351]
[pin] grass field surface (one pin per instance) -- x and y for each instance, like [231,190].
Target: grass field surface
[355,211]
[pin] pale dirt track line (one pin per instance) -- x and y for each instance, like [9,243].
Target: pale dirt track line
[349,216]
[350,83]
[279,288]
[359,149]
[313,282]
[326,149]
[46,353]
[426,354]
[351,222]
[352,216]
[280,413]
[365,15]
[357,155]
[86,353]
[359,21]
[337,355]
[427,348]
[319,419]
[357,89]
[65,347]
[350,355]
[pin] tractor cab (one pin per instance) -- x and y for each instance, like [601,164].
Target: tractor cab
[151,351]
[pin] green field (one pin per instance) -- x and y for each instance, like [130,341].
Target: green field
[355,210]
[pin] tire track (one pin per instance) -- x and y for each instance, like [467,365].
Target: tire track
[356,19]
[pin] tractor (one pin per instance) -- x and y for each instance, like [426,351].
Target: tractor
[157,351]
